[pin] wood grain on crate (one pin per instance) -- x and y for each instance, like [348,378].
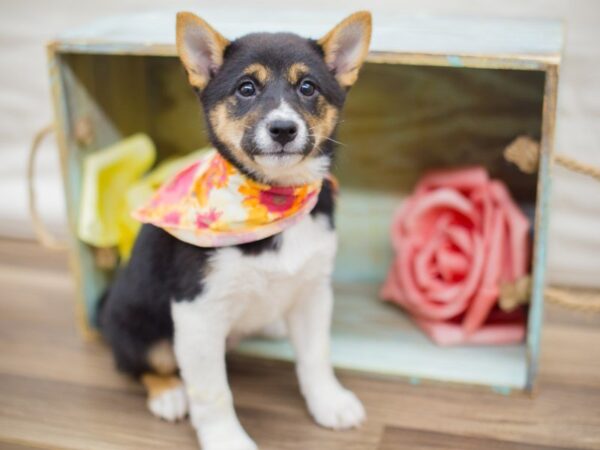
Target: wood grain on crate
[59,392]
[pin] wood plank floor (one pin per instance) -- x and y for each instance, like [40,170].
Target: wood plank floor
[59,392]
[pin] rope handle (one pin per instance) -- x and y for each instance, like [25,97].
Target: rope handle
[45,237]
[513,295]
[582,301]
[524,152]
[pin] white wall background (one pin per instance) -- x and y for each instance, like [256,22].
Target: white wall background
[25,27]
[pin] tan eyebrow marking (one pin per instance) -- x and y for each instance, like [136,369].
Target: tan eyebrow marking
[258,71]
[296,71]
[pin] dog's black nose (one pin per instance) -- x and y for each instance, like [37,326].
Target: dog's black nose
[283,131]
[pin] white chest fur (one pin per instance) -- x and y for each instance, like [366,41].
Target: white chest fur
[257,290]
[244,293]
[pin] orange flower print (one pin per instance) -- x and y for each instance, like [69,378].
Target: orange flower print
[279,201]
[257,212]
[216,177]
[302,195]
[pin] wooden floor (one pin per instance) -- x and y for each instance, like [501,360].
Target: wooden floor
[57,391]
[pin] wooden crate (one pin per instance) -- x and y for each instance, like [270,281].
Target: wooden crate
[434,92]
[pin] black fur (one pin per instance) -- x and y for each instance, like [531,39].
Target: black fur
[136,312]
[326,203]
[270,244]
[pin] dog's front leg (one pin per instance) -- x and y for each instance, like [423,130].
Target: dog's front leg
[309,321]
[201,328]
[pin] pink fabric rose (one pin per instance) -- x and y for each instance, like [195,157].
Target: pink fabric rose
[456,239]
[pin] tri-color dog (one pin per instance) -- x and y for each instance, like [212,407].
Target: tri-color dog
[272,104]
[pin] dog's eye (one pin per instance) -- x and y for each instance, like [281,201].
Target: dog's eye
[247,89]
[307,88]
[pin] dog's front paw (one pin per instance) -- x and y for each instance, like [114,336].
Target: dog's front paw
[336,408]
[170,405]
[223,433]
[226,441]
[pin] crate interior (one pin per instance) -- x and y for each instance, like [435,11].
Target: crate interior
[400,120]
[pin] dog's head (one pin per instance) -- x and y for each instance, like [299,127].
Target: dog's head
[272,100]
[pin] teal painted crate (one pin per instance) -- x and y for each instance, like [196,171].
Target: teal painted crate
[434,92]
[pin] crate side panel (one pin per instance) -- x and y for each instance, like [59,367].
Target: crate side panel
[91,281]
[154,31]
[57,69]
[536,309]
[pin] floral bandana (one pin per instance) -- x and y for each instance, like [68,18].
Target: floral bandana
[211,204]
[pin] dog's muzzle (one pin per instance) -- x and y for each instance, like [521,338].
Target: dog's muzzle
[282,132]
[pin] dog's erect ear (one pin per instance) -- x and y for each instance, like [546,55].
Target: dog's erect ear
[200,48]
[346,47]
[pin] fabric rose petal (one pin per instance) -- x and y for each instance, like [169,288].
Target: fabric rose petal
[456,239]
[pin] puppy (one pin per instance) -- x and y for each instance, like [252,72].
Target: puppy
[272,104]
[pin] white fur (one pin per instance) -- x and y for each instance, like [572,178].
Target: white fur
[243,294]
[278,161]
[306,171]
[275,330]
[171,405]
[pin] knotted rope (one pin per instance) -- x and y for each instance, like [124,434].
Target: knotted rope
[524,152]
[46,238]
